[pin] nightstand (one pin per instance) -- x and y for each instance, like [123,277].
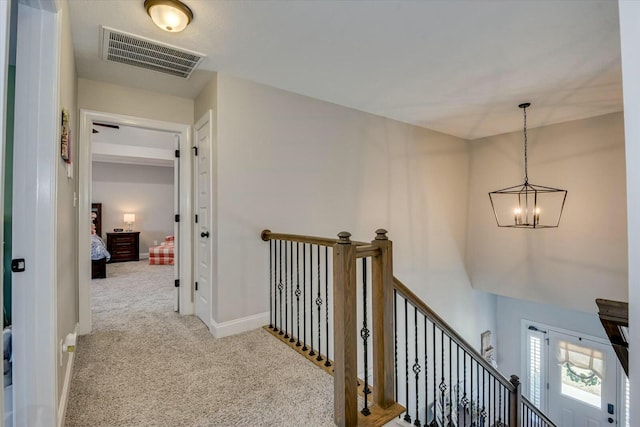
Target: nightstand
[124,246]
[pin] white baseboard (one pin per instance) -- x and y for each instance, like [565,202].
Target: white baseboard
[64,398]
[236,326]
[144,255]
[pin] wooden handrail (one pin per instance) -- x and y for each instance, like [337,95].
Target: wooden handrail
[267,235]
[438,321]
[367,251]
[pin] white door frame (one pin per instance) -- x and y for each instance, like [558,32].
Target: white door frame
[36,157]
[5,18]
[87,117]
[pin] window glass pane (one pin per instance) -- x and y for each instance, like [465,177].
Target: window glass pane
[581,383]
[535,369]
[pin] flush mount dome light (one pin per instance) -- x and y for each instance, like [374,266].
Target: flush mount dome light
[170,15]
[528,205]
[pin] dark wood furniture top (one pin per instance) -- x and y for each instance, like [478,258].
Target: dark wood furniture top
[124,246]
[614,315]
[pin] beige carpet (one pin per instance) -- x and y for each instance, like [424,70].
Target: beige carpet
[144,365]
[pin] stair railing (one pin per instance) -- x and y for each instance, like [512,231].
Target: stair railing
[446,382]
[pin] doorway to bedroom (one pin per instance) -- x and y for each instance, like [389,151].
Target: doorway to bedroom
[133,188]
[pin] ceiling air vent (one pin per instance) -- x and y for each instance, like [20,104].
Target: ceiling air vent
[118,46]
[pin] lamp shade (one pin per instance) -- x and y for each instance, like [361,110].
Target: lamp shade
[129,217]
[170,15]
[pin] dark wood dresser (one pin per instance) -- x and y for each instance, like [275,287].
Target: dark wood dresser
[124,246]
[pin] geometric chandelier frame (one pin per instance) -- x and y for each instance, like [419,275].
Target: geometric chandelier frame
[528,205]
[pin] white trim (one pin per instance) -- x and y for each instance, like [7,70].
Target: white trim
[236,326]
[144,255]
[36,162]
[5,24]
[64,398]
[87,117]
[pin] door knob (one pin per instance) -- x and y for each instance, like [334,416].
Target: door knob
[610,420]
[204,234]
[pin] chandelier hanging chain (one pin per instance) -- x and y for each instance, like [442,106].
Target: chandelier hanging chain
[526,172]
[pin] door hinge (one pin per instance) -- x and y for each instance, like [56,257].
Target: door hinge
[547,386]
[195,151]
[196,219]
[196,286]
[177,218]
[177,283]
[17,265]
[177,153]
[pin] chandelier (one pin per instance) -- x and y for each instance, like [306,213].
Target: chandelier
[528,205]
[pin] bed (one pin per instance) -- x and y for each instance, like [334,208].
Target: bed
[99,254]
[163,253]
[99,257]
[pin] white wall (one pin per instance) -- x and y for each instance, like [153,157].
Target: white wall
[586,257]
[630,34]
[146,191]
[512,311]
[298,165]
[110,98]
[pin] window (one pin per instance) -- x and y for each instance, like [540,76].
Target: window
[627,406]
[582,372]
[535,370]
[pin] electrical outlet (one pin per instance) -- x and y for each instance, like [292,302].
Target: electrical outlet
[155,243]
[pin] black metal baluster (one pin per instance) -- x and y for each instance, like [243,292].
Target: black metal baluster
[327,363]
[311,352]
[483,412]
[493,399]
[416,365]
[474,418]
[291,289]
[286,295]
[319,304]
[426,373]
[280,286]
[298,292]
[304,296]
[450,378]
[500,407]
[443,386]
[364,333]
[465,399]
[407,417]
[395,341]
[457,379]
[433,349]
[272,284]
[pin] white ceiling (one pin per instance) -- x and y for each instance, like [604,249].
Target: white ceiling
[459,67]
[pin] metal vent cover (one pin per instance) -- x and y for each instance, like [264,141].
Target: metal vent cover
[125,48]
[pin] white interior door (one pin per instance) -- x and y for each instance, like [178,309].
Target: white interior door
[203,226]
[583,377]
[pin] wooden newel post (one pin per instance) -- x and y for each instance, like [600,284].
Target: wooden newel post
[515,402]
[345,379]
[382,306]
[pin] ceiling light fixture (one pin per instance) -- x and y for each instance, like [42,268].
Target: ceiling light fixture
[170,15]
[528,205]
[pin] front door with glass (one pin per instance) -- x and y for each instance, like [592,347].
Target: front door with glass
[583,377]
